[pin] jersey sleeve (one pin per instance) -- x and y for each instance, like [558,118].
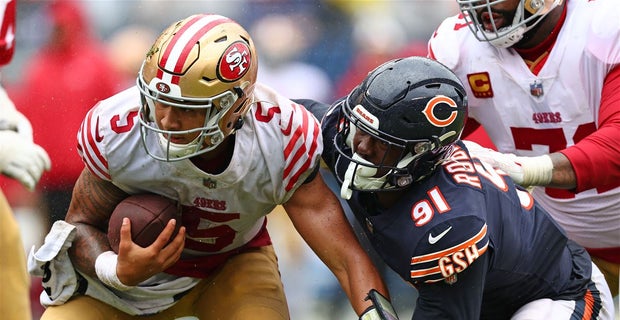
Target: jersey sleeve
[318,109]
[90,141]
[449,301]
[448,249]
[449,268]
[604,33]
[444,45]
[600,151]
[290,139]
[303,146]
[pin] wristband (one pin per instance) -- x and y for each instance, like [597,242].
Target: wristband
[105,267]
[537,171]
[370,314]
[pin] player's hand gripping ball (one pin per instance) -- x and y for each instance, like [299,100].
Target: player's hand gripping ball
[149,214]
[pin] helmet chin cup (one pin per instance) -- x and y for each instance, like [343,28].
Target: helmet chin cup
[508,39]
[177,150]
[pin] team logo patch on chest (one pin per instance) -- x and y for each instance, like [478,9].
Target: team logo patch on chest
[209,183]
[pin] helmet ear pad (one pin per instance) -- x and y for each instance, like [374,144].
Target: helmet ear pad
[233,120]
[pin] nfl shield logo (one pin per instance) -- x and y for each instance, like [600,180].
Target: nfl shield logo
[536,88]
[450,279]
[209,183]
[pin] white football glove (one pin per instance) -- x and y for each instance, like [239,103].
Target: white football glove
[525,171]
[21,159]
[11,119]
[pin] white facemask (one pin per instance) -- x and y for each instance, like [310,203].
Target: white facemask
[177,150]
[365,176]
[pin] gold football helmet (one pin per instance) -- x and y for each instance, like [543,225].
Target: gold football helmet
[203,61]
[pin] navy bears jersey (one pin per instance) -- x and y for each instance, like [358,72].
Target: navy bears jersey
[475,245]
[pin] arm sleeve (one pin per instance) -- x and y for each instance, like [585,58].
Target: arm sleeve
[462,301]
[600,151]
[90,145]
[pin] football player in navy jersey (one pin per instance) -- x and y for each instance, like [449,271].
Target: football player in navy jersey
[474,244]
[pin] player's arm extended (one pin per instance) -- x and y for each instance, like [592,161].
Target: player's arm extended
[599,152]
[577,167]
[318,217]
[92,203]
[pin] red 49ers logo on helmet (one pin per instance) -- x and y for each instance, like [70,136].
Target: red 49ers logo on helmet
[235,62]
[163,87]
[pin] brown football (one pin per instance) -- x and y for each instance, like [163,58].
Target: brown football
[148,213]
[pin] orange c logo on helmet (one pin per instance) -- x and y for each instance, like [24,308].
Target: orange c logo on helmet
[235,62]
[430,114]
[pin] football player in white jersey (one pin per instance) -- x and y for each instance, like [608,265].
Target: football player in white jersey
[198,129]
[21,159]
[543,81]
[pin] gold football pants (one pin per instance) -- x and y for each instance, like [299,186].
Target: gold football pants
[248,286]
[611,271]
[14,278]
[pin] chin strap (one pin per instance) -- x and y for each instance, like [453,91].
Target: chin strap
[363,176]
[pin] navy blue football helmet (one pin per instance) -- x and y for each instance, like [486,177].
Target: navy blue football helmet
[415,105]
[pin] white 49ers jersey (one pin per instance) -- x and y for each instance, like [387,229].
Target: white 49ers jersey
[530,114]
[275,150]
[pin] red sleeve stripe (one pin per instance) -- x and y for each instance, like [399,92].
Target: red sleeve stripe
[93,144]
[298,146]
[91,156]
[176,53]
[430,54]
[307,163]
[466,244]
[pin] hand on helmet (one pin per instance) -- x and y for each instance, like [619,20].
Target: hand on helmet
[525,171]
[21,159]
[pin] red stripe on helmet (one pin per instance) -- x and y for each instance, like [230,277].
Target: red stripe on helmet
[188,45]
